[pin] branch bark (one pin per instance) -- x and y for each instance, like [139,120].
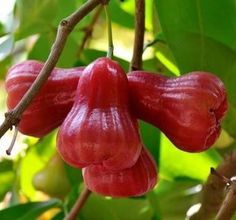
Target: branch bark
[228,207]
[214,189]
[136,62]
[78,204]
[12,118]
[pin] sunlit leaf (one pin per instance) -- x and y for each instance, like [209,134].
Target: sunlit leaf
[35,159]
[6,45]
[4,66]
[176,163]
[120,16]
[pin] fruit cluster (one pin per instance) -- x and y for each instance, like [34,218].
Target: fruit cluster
[97,108]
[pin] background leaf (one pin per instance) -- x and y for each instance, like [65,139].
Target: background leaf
[202,37]
[176,163]
[6,178]
[116,209]
[6,45]
[29,210]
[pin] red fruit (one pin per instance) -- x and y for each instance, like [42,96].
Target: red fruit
[100,128]
[49,108]
[133,181]
[188,109]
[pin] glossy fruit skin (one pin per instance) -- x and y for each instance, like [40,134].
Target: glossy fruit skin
[100,128]
[51,105]
[134,181]
[52,179]
[187,109]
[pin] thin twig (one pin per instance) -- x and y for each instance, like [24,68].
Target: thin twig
[8,151]
[228,206]
[136,62]
[151,43]
[89,30]
[78,204]
[214,189]
[66,26]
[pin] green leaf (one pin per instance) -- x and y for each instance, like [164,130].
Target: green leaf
[2,30]
[120,16]
[35,16]
[28,211]
[151,139]
[202,37]
[7,177]
[171,199]
[35,159]
[64,9]
[116,209]
[4,66]
[41,48]
[74,175]
[176,163]
[43,45]
[6,46]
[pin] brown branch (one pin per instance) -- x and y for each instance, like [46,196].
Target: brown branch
[136,62]
[228,207]
[89,30]
[78,204]
[65,27]
[214,189]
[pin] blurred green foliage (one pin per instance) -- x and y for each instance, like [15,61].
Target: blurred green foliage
[183,36]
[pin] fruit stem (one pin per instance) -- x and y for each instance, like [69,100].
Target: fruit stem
[8,151]
[109,29]
[78,204]
[136,62]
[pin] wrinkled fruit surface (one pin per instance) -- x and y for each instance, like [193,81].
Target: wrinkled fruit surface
[133,181]
[51,105]
[188,109]
[100,128]
[52,179]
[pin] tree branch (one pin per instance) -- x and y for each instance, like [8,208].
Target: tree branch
[214,189]
[66,26]
[228,206]
[136,62]
[78,204]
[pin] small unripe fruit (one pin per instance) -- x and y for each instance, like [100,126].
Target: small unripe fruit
[52,179]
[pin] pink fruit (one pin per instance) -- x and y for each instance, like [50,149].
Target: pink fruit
[100,128]
[187,109]
[51,105]
[134,181]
